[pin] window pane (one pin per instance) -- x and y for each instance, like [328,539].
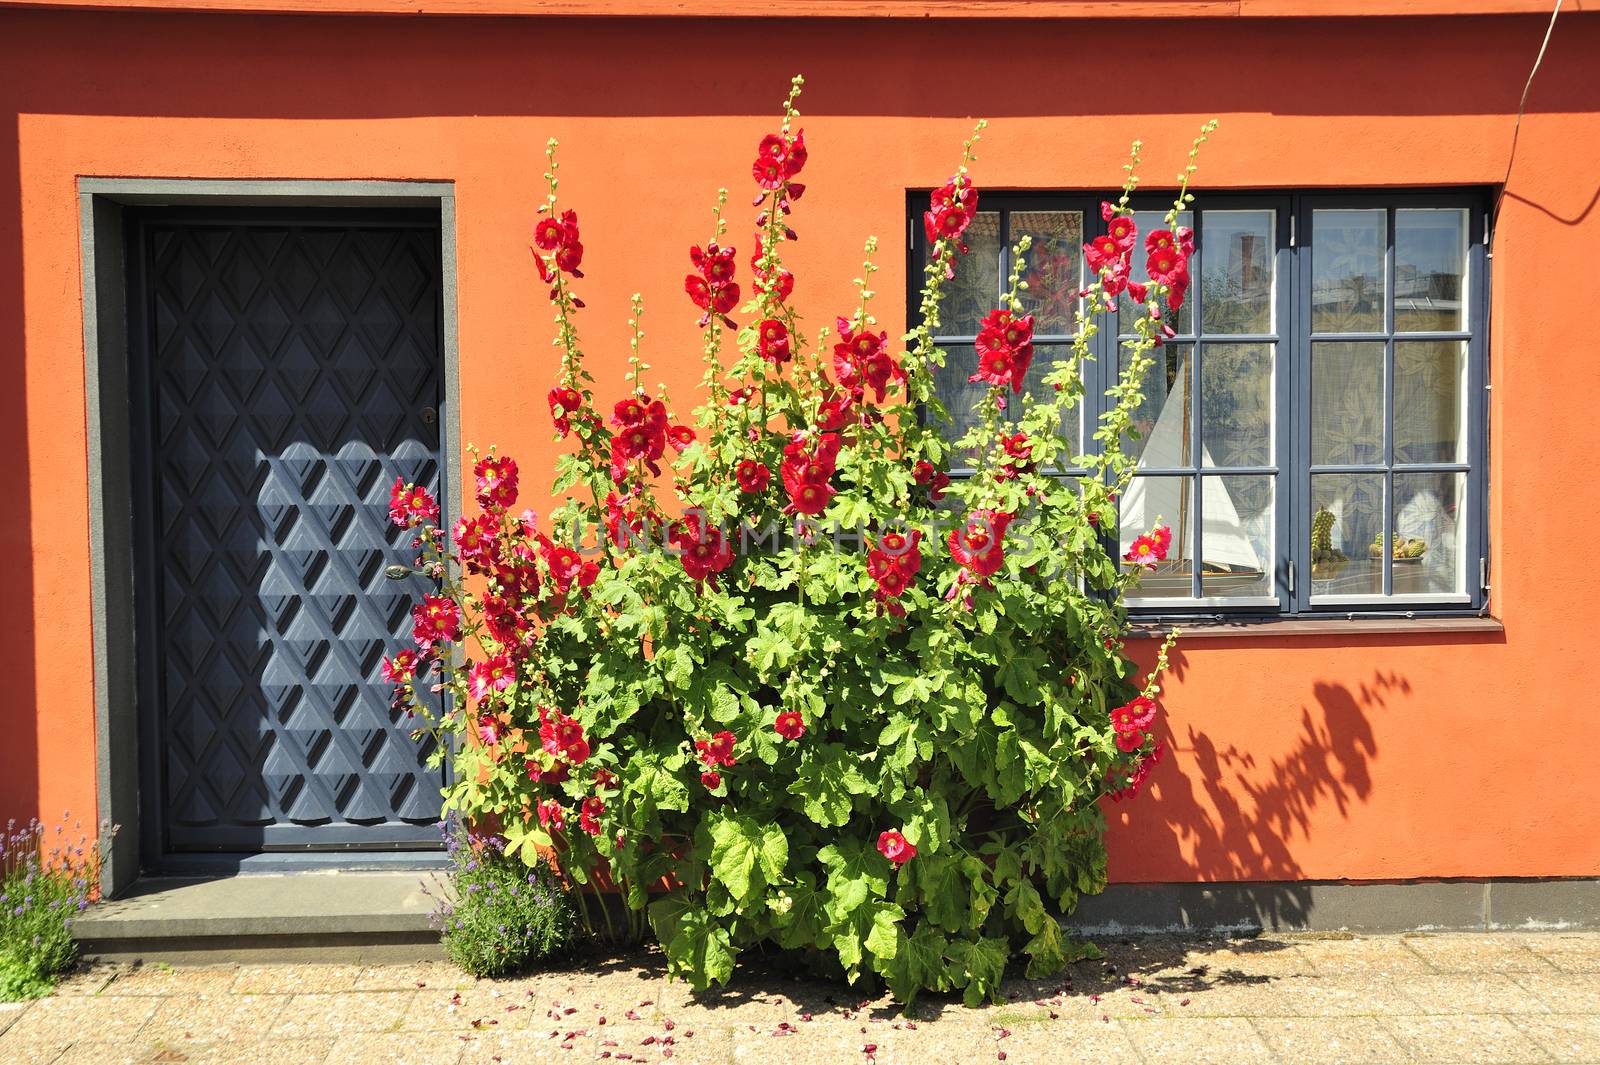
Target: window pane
[1430,389]
[1346,403]
[1430,267]
[1045,357]
[1347,271]
[976,288]
[1054,267]
[959,396]
[1236,271]
[1162,420]
[1428,549]
[1236,541]
[1236,405]
[1346,517]
[1165,500]
[1129,311]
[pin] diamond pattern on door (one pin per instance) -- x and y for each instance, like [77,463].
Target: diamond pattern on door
[290,374]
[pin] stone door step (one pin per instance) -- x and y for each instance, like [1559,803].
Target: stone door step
[260,917]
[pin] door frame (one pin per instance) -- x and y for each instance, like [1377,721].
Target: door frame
[102,209]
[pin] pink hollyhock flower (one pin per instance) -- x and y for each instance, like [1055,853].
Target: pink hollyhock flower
[476,541]
[895,847]
[773,341]
[497,482]
[790,725]
[589,814]
[1149,549]
[753,476]
[411,504]
[718,750]
[1134,716]
[493,675]
[401,668]
[978,547]
[434,619]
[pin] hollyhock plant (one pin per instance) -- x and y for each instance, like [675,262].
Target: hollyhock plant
[808,671]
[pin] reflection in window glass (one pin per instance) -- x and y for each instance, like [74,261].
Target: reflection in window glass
[1427,533]
[1162,420]
[1346,522]
[1054,272]
[959,395]
[1164,500]
[1128,312]
[1346,403]
[1236,536]
[1430,391]
[976,288]
[1045,360]
[1236,405]
[1347,250]
[1430,269]
[1236,271]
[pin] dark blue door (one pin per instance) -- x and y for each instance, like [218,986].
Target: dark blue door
[287,370]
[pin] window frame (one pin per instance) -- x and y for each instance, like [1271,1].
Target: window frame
[1291,425]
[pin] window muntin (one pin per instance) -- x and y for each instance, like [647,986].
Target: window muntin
[1337,370]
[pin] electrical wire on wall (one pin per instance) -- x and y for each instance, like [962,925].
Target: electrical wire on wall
[1516,130]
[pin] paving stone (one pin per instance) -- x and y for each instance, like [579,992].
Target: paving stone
[1464,1038]
[1481,953]
[267,1052]
[1564,1037]
[1048,1042]
[470,1009]
[62,1020]
[87,979]
[1569,953]
[1563,992]
[706,1046]
[167,980]
[1361,956]
[1257,957]
[1468,993]
[9,1012]
[15,1051]
[435,974]
[410,1049]
[1341,996]
[1329,1040]
[1198,1040]
[833,1042]
[214,1018]
[341,1014]
[524,1048]
[301,979]
[137,1052]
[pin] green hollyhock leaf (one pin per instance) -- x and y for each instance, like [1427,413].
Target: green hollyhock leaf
[918,964]
[697,946]
[825,781]
[983,962]
[737,846]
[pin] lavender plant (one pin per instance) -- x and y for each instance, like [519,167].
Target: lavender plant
[46,880]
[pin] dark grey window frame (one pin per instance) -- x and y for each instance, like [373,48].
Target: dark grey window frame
[1290,464]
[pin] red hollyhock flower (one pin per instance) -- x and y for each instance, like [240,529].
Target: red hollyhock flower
[711,780]
[838,407]
[950,212]
[1128,742]
[1141,772]
[563,736]
[1163,263]
[556,774]
[604,778]
[894,562]
[718,750]
[410,504]
[551,815]
[401,668]
[808,464]
[753,476]
[493,675]
[1122,230]
[569,257]
[1018,456]
[1159,240]
[777,283]
[548,233]
[475,540]
[712,287]
[774,342]
[1108,210]
[564,403]
[1102,252]
[680,437]
[1149,549]
[862,360]
[936,480]
[895,847]
[702,546]
[979,545]
[790,725]
[434,619]
[589,814]
[497,482]
[1004,349]
[641,434]
[1136,715]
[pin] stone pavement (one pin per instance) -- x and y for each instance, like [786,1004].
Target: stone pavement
[1469,997]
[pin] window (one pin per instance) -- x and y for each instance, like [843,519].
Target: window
[1315,433]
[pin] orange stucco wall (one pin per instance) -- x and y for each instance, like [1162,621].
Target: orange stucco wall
[1296,757]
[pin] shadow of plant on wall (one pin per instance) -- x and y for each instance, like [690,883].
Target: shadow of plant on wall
[1226,814]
